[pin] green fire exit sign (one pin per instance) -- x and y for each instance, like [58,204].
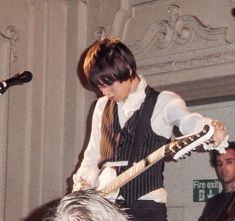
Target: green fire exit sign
[205,189]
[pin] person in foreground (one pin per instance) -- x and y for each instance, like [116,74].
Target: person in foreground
[221,207]
[129,122]
[87,205]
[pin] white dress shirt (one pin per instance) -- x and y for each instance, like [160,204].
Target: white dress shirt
[170,110]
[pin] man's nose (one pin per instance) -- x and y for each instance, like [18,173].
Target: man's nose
[223,166]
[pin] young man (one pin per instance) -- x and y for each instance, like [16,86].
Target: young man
[129,122]
[221,207]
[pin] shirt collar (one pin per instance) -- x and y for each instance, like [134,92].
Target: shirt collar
[134,99]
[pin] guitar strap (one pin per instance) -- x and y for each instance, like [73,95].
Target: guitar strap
[143,120]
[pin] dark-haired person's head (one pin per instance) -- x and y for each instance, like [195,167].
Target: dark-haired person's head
[225,167]
[215,153]
[110,67]
[109,60]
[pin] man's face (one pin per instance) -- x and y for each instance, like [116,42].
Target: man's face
[225,167]
[118,91]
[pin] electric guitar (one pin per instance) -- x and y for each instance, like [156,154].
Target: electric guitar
[109,183]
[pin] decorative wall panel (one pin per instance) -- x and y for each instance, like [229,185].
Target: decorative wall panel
[8,55]
[178,45]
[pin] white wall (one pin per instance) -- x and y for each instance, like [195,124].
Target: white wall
[179,175]
[44,122]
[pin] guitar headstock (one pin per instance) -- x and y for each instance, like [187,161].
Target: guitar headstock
[181,146]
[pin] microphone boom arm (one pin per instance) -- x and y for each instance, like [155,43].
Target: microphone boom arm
[17,79]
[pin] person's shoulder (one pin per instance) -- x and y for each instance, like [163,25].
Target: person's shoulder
[169,95]
[100,103]
[216,198]
[101,100]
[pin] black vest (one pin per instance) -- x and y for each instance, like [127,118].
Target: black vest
[116,144]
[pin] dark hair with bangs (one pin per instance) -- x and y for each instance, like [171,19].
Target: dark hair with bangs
[215,153]
[109,60]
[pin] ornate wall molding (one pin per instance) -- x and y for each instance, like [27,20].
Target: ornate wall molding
[100,32]
[6,39]
[188,60]
[12,34]
[205,91]
[180,42]
[177,30]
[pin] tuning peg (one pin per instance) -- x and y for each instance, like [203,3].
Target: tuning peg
[191,138]
[178,147]
[188,154]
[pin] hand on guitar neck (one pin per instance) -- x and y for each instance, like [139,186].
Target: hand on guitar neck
[109,183]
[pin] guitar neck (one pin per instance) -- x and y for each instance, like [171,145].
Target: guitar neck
[177,148]
[134,171]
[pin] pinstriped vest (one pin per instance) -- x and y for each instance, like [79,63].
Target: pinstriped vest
[116,145]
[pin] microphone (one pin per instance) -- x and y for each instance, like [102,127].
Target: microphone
[18,79]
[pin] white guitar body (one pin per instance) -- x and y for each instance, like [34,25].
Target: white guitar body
[108,175]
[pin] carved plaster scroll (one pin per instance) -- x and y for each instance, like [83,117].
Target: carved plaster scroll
[179,30]
[100,32]
[176,30]
[11,34]
[177,43]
